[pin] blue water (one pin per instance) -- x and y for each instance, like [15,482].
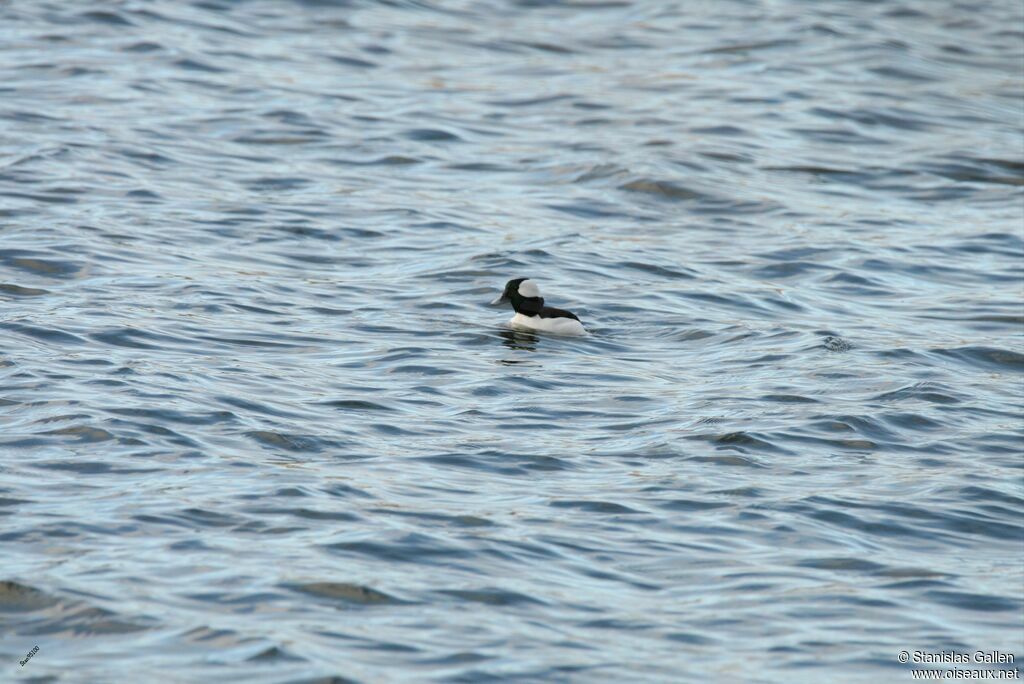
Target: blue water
[258,423]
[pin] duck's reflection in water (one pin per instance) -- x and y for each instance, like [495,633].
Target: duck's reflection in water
[519,339]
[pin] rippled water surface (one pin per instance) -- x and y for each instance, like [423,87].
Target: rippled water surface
[258,423]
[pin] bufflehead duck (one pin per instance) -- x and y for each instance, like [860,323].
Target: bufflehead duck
[531,312]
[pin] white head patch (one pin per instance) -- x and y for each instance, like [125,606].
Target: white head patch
[528,288]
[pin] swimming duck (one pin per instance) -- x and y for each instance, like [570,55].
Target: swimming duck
[531,313]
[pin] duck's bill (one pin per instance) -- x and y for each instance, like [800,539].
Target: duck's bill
[500,299]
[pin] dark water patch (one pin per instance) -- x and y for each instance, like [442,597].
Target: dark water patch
[692,505]
[885,528]
[257,407]
[388,429]
[979,171]
[744,492]
[688,336]
[56,337]
[276,183]
[343,491]
[896,118]
[459,658]
[987,494]
[344,593]
[857,286]
[356,405]
[83,467]
[690,638]
[276,138]
[788,399]
[137,339]
[595,507]
[989,322]
[529,102]
[837,136]
[853,279]
[290,117]
[598,172]
[207,518]
[83,433]
[83,623]
[738,441]
[931,392]
[331,679]
[844,444]
[992,358]
[103,17]
[239,602]
[144,46]
[164,434]
[418,369]
[274,654]
[739,461]
[887,518]
[796,253]
[23,598]
[431,135]
[481,166]
[19,291]
[902,74]
[258,310]
[221,637]
[654,269]
[26,116]
[912,421]
[500,462]
[787,269]
[491,597]
[142,195]
[243,342]
[545,47]
[36,613]
[632,625]
[353,62]
[162,415]
[298,443]
[750,47]
[50,268]
[389,160]
[725,131]
[735,302]
[410,548]
[974,602]
[660,189]
[840,564]
[197,65]
[866,425]
[911,573]
[594,210]
[1001,443]
[836,344]
[467,521]
[162,521]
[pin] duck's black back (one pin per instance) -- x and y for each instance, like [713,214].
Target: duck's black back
[552,312]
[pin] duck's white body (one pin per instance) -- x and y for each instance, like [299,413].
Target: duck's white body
[559,326]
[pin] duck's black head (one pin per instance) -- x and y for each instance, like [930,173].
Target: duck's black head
[524,296]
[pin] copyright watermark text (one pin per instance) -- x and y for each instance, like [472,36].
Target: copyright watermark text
[35,649]
[961,658]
